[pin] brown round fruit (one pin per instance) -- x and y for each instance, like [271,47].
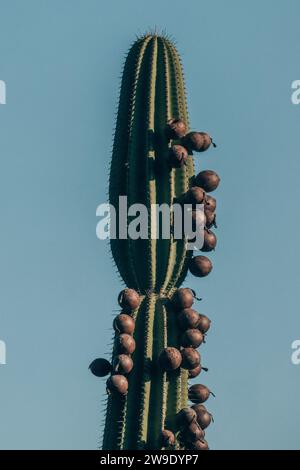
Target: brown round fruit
[204,418]
[201,444]
[200,266]
[124,323]
[129,300]
[197,141]
[186,416]
[170,359]
[191,338]
[193,432]
[100,367]
[210,203]
[210,219]
[194,196]
[167,438]
[209,241]
[178,156]
[190,358]
[125,344]
[123,364]
[183,298]
[199,393]
[117,384]
[188,318]
[175,128]
[208,180]
[204,323]
[196,371]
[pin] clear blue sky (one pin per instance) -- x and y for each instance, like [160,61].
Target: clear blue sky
[61,61]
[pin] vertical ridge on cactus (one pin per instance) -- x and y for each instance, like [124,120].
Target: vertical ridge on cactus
[152,97]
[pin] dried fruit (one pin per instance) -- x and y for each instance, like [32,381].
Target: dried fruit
[196,371]
[194,196]
[170,359]
[117,384]
[191,338]
[129,300]
[186,416]
[200,266]
[188,318]
[208,180]
[199,393]
[175,128]
[198,141]
[125,344]
[190,358]
[123,364]
[183,298]
[178,156]
[124,323]
[204,323]
[100,367]
[204,418]
[167,438]
[209,241]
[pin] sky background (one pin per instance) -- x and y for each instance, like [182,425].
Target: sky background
[61,61]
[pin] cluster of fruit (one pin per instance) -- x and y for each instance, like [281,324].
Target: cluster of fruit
[191,422]
[124,324]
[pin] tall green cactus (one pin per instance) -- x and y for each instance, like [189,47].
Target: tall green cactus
[152,92]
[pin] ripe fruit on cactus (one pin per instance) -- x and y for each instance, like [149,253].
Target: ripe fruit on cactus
[209,241]
[204,418]
[124,323]
[129,300]
[201,444]
[170,359]
[188,318]
[100,367]
[210,219]
[167,438]
[117,384]
[190,358]
[210,203]
[178,156]
[183,298]
[175,128]
[194,196]
[203,323]
[123,364]
[199,393]
[192,432]
[125,344]
[186,416]
[198,141]
[208,180]
[196,371]
[200,266]
[191,338]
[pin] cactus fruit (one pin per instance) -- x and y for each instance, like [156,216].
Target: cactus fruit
[186,416]
[210,219]
[200,444]
[203,323]
[123,364]
[178,156]
[208,180]
[199,393]
[198,141]
[192,338]
[200,266]
[152,165]
[209,241]
[100,367]
[204,418]
[170,359]
[192,432]
[210,203]
[175,129]
[196,371]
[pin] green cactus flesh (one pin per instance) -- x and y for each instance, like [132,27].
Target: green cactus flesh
[152,92]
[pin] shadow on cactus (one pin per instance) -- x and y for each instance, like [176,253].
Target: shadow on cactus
[157,329]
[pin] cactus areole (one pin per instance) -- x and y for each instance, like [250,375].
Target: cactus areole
[152,117]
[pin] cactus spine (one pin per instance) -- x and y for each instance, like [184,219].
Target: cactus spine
[152,92]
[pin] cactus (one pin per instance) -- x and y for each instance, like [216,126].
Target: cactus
[152,94]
